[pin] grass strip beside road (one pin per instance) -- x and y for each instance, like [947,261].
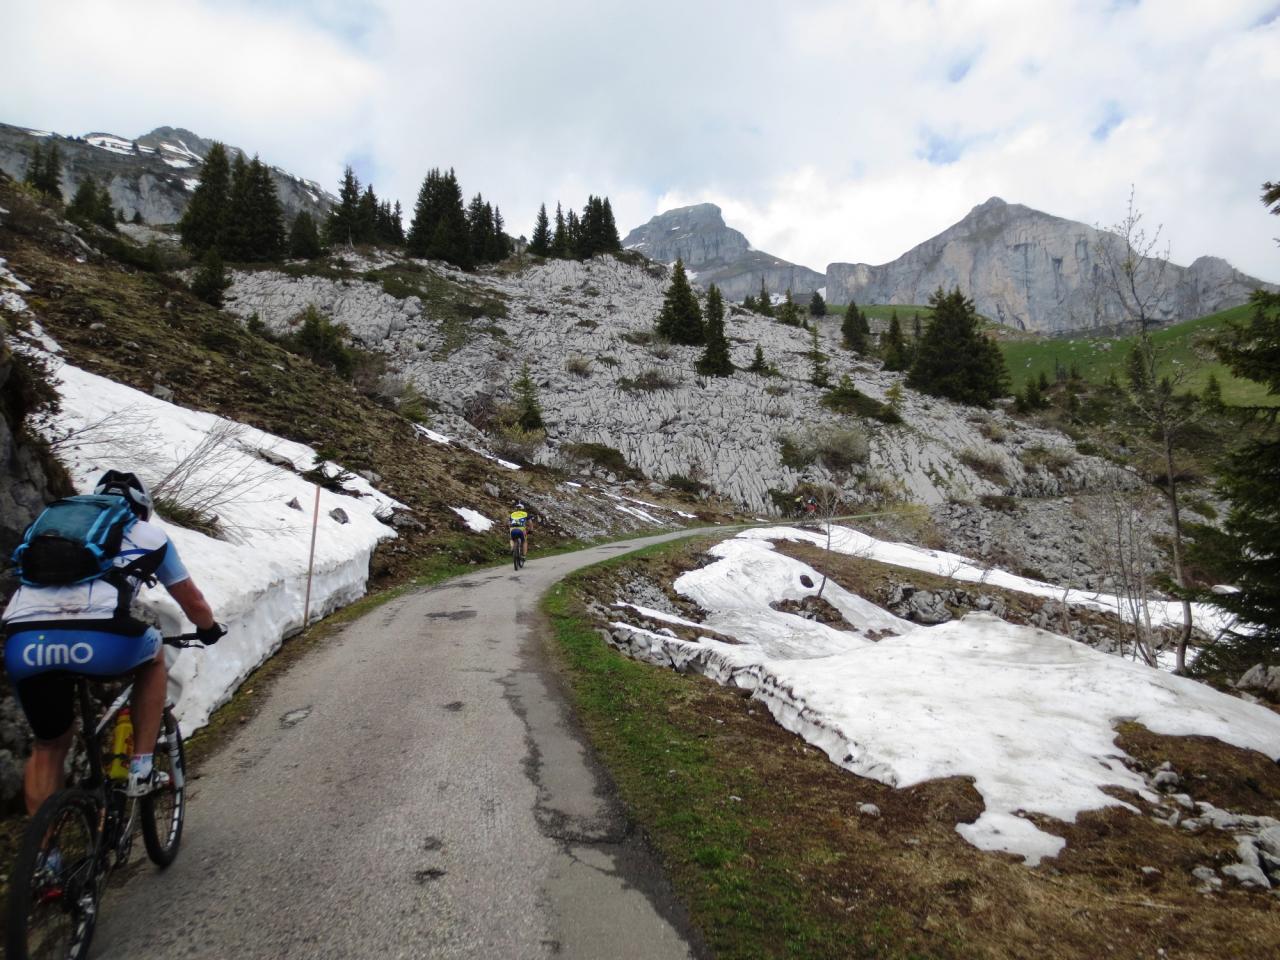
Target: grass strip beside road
[685,755]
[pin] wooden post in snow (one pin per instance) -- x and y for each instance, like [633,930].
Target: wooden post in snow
[311,560]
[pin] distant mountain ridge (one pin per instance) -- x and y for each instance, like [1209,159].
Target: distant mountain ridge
[716,253]
[1031,270]
[152,175]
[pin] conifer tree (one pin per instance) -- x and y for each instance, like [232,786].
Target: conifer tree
[366,225]
[304,239]
[395,232]
[560,239]
[896,356]
[528,409]
[91,204]
[573,234]
[764,302]
[205,218]
[818,376]
[817,306]
[956,360]
[749,303]
[439,227]
[758,362]
[210,279]
[343,224]
[1249,482]
[236,242]
[788,312]
[44,172]
[680,320]
[540,245]
[499,246]
[479,228]
[715,361]
[853,329]
[35,168]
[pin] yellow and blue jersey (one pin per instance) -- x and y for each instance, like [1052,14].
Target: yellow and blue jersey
[519,520]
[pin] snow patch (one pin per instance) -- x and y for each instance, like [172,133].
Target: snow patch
[476,521]
[190,183]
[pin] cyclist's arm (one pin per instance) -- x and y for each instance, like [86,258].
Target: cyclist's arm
[192,602]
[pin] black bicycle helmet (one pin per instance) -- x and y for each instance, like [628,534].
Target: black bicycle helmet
[129,486]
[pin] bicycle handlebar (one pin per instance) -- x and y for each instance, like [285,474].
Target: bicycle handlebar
[185,640]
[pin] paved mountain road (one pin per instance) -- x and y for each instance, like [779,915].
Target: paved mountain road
[413,788]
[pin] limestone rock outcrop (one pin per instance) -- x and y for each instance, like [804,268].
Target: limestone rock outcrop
[153,175]
[716,253]
[1030,270]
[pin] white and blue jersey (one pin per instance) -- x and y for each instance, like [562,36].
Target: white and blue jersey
[85,627]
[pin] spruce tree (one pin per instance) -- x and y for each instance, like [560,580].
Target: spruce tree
[91,205]
[540,245]
[479,228]
[366,228]
[715,361]
[818,376]
[210,279]
[573,235]
[896,356]
[560,239]
[764,302]
[788,312]
[758,362]
[612,242]
[817,306]
[499,245]
[343,224]
[236,242]
[304,239]
[853,329]
[35,168]
[680,320]
[205,218]
[749,303]
[956,360]
[528,409]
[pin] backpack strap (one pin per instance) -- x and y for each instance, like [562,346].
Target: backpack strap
[142,568]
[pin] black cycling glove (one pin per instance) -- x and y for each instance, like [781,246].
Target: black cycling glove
[211,635]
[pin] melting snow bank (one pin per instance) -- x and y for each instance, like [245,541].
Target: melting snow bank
[474,520]
[256,578]
[1028,714]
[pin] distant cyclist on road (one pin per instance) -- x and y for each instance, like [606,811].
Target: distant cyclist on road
[84,627]
[519,529]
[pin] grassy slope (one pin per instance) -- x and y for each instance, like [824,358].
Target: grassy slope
[1180,345]
[765,842]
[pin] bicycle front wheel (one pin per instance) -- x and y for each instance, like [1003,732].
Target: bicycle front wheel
[53,890]
[163,809]
[515,554]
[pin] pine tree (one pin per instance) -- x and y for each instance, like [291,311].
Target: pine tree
[91,205]
[749,303]
[1211,397]
[573,235]
[817,306]
[788,312]
[366,225]
[853,329]
[44,171]
[304,239]
[528,409]
[35,168]
[439,228]
[956,360]
[1249,482]
[236,242]
[395,231]
[680,320]
[560,239]
[715,361]
[758,363]
[479,228]
[343,224]
[210,279]
[540,245]
[895,350]
[499,244]
[609,238]
[818,375]
[268,214]
[764,302]
[205,218]
[1136,370]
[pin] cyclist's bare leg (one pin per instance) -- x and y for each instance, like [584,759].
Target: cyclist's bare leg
[150,685]
[46,769]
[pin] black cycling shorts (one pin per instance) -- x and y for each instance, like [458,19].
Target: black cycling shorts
[48,700]
[517,533]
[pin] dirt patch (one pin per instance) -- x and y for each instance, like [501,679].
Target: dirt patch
[814,608]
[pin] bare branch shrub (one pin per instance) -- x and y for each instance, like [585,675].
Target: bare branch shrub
[214,473]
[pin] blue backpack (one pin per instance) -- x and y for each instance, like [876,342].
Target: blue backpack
[75,540]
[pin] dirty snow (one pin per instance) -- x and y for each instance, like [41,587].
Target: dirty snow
[1028,714]
[476,521]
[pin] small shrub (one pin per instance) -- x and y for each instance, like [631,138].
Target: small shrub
[984,463]
[776,390]
[678,481]
[587,323]
[603,456]
[993,431]
[608,360]
[841,448]
[1053,459]
[848,399]
[795,454]
[513,442]
[189,517]
[578,366]
[639,338]
[647,381]
[1000,502]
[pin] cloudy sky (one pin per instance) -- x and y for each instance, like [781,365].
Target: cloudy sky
[840,130]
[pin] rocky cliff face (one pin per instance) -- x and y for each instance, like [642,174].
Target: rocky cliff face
[153,175]
[1030,270]
[716,253]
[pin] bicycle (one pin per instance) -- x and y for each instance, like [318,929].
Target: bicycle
[81,834]
[517,552]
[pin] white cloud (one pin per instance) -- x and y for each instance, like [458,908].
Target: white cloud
[812,123]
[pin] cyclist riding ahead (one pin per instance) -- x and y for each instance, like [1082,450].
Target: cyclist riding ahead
[519,530]
[67,620]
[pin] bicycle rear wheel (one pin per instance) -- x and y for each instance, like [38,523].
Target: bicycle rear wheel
[516,559]
[53,890]
[162,810]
